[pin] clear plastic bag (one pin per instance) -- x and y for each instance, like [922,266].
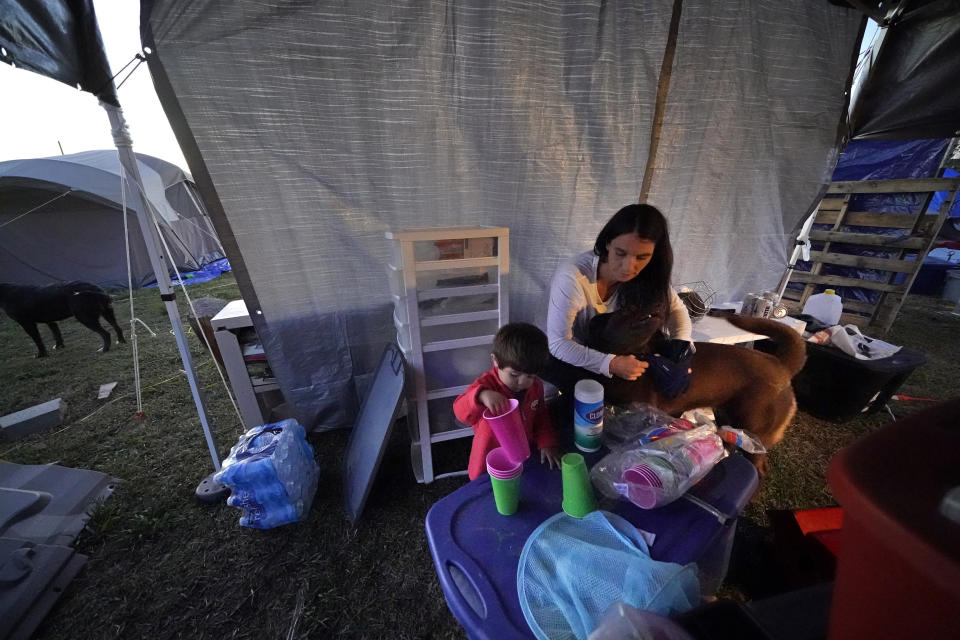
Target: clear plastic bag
[741,438]
[639,424]
[661,471]
[623,622]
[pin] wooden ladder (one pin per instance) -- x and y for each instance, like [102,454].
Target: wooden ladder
[840,240]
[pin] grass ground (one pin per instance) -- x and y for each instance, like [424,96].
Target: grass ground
[163,565]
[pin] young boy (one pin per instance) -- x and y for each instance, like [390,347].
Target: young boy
[519,352]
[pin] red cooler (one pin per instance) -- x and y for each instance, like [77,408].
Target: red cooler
[898,571]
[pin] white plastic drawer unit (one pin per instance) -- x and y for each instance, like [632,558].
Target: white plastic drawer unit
[444,337]
[450,295]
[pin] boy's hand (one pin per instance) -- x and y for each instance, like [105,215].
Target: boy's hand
[494,401]
[551,456]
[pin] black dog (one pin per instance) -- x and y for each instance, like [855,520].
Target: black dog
[27,305]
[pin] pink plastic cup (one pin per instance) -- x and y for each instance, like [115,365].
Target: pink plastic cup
[644,496]
[500,466]
[642,474]
[643,486]
[508,429]
[704,451]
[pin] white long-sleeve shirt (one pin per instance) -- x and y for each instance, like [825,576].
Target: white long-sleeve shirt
[574,301]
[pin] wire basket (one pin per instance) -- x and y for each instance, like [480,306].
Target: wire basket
[698,297]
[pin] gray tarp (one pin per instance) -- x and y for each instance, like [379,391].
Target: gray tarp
[312,128]
[80,236]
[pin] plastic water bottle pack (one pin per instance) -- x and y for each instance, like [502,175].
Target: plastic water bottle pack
[271,474]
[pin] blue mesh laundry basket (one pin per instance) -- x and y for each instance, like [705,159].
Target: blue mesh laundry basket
[571,570]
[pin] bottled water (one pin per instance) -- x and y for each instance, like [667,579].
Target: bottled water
[271,474]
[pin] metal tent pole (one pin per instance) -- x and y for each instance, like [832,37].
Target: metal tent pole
[128,160]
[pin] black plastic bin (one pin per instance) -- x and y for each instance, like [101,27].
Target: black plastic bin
[837,386]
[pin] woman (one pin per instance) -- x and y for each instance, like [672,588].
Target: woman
[630,265]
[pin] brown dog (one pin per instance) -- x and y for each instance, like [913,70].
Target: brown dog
[748,389]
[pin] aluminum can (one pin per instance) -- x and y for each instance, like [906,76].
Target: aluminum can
[749,304]
[763,307]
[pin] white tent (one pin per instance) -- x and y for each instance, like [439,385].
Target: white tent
[61,220]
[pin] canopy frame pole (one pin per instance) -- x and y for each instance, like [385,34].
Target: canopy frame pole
[801,246]
[158,261]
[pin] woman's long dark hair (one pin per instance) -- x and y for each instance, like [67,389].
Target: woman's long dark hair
[652,285]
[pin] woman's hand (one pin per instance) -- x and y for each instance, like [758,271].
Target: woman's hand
[494,401]
[627,367]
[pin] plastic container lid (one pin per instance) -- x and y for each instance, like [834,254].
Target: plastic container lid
[588,391]
[830,292]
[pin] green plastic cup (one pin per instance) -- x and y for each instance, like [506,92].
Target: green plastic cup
[578,497]
[506,493]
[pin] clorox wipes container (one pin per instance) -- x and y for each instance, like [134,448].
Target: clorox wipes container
[587,415]
[825,307]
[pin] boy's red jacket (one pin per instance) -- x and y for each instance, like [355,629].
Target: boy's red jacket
[533,413]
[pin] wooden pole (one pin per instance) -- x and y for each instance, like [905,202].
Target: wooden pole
[663,89]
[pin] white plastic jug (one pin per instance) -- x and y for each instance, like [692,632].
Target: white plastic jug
[825,307]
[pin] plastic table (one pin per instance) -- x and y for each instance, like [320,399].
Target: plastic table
[476,551]
[718,330]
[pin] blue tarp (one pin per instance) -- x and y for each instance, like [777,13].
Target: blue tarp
[888,159]
[206,273]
